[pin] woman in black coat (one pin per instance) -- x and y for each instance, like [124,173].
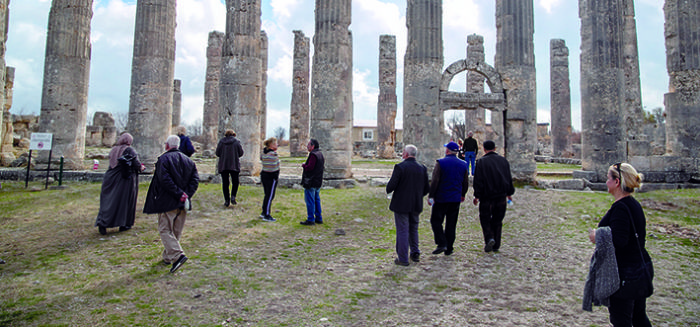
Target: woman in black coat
[628,227]
[120,187]
[229,150]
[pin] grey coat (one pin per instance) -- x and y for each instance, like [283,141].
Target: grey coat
[603,278]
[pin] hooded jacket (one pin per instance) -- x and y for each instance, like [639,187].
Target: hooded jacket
[229,151]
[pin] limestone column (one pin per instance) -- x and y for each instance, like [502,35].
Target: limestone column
[632,110]
[177,103]
[386,104]
[560,95]
[263,89]
[602,83]
[682,102]
[212,107]
[241,80]
[66,80]
[6,128]
[423,120]
[152,75]
[299,113]
[515,61]
[475,120]
[4,15]
[331,90]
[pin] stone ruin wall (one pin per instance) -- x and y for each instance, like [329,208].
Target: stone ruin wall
[386,102]
[299,107]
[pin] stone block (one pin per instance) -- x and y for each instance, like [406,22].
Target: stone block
[587,175]
[638,148]
[6,159]
[570,184]
[378,181]
[654,177]
[676,177]
[641,163]
[109,136]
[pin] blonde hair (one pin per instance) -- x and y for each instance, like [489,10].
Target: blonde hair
[269,141]
[629,178]
[181,130]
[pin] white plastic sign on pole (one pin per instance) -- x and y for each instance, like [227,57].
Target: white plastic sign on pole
[40,141]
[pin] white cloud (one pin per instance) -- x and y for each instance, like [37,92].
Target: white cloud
[364,95]
[549,4]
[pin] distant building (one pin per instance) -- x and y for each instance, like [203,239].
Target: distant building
[364,137]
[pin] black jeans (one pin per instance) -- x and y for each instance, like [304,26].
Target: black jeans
[627,313]
[448,212]
[269,182]
[491,213]
[225,183]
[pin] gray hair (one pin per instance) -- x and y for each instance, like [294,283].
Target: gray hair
[173,141]
[411,150]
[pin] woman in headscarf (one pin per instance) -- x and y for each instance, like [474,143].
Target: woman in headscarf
[120,186]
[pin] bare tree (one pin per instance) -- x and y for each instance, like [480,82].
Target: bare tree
[280,133]
[120,120]
[457,127]
[195,129]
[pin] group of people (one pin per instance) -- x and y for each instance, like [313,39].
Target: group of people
[175,180]
[621,271]
[448,187]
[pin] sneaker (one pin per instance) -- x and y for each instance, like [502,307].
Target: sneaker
[177,264]
[307,222]
[489,245]
[269,218]
[262,216]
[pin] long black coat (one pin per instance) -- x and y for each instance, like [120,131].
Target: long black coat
[409,182]
[118,196]
[229,150]
[175,173]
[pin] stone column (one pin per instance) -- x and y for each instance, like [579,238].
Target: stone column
[386,104]
[263,89]
[66,80]
[682,102]
[423,121]
[152,74]
[299,113]
[177,103]
[475,120]
[241,80]
[212,107]
[6,129]
[560,95]
[331,90]
[632,110]
[602,81]
[515,61]
[4,15]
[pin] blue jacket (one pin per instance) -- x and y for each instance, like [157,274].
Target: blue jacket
[450,180]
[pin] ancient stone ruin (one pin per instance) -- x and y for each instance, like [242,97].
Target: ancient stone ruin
[102,132]
[177,103]
[386,102]
[152,75]
[212,106]
[299,108]
[475,120]
[560,96]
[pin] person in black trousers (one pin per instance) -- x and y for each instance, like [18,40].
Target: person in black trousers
[268,176]
[493,184]
[229,151]
[409,182]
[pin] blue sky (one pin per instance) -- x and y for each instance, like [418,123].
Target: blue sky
[113,30]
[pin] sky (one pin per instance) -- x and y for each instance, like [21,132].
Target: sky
[112,33]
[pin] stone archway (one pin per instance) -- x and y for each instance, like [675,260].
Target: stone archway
[494,101]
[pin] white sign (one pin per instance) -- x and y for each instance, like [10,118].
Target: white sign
[40,141]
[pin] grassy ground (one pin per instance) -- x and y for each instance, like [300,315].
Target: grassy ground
[245,272]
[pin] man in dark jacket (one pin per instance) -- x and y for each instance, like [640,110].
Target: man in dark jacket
[448,187]
[409,182]
[470,150]
[311,180]
[174,182]
[229,150]
[493,184]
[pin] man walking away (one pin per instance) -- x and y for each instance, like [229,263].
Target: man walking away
[471,148]
[174,182]
[448,187]
[311,180]
[493,184]
[409,182]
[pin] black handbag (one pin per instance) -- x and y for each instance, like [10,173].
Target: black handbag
[638,281]
[126,163]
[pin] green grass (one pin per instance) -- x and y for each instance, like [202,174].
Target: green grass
[543,167]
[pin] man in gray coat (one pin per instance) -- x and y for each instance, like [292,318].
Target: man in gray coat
[409,182]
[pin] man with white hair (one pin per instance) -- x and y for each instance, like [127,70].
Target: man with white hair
[409,182]
[174,182]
